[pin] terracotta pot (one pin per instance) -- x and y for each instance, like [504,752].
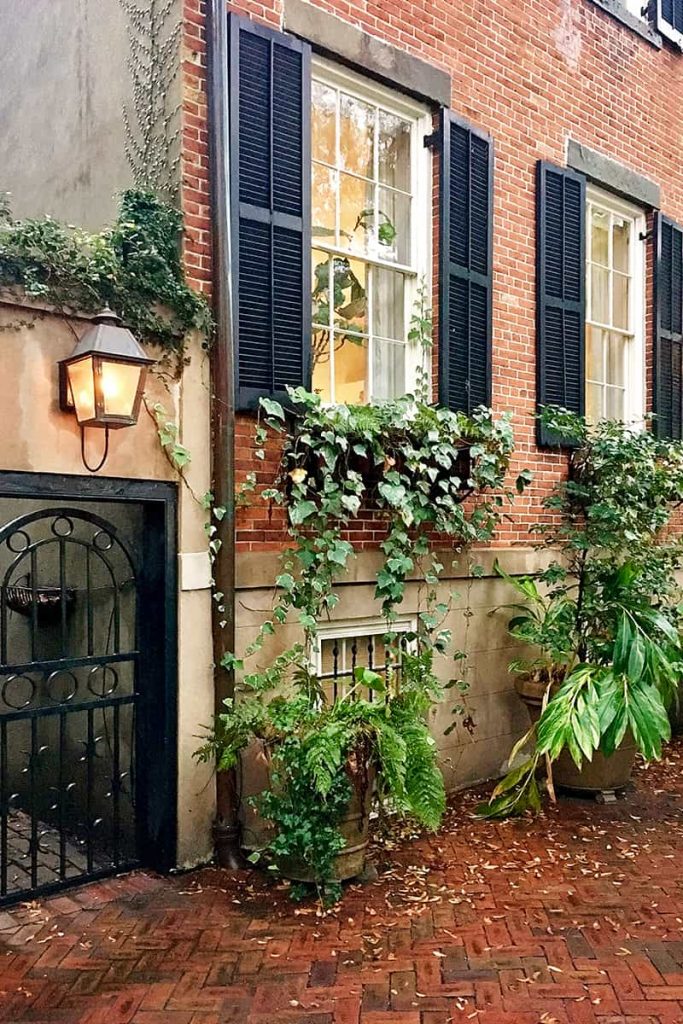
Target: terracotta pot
[257,832]
[602,775]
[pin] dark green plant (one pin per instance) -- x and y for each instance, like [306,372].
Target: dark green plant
[604,618]
[432,478]
[134,267]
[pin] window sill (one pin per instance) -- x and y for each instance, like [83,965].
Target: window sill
[637,25]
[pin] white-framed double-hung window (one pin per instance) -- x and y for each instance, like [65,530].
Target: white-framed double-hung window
[371,234]
[615,318]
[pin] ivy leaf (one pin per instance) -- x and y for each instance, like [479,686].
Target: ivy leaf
[272,408]
[300,511]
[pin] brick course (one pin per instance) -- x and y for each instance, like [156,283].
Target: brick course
[532,74]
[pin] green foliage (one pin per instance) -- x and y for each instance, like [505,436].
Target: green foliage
[413,465]
[134,267]
[605,616]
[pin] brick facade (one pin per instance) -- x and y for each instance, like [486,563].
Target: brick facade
[533,74]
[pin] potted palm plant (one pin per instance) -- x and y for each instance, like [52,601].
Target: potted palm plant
[602,622]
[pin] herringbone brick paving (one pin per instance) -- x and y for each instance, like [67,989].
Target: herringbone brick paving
[576,918]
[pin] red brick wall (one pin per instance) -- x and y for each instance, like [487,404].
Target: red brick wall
[532,73]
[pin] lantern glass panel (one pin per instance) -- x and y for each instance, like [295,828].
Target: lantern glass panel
[82,385]
[119,383]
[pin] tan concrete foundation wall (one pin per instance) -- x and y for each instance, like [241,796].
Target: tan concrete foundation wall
[478,626]
[37,437]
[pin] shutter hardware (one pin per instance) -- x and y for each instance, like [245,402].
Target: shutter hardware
[645,236]
[433,141]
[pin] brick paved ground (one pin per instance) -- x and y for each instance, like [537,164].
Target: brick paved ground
[574,919]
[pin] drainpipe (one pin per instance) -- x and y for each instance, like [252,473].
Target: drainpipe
[226,826]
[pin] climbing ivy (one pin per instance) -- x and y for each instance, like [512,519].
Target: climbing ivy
[134,266]
[433,479]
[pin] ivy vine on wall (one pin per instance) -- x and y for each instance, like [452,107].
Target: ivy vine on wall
[134,266]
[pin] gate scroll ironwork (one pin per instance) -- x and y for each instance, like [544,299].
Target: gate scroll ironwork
[69,666]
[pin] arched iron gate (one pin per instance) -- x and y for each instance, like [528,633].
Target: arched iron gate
[70,606]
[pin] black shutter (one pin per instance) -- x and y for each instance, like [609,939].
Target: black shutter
[270,209]
[668,368]
[465,265]
[560,291]
[670,19]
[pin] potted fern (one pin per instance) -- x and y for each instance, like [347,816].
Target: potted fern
[327,758]
[603,621]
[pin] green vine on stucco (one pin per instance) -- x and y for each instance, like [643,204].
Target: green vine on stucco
[133,266]
[149,120]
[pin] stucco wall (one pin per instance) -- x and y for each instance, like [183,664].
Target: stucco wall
[38,437]
[478,626]
[64,86]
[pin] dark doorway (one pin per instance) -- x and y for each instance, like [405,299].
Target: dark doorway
[87,679]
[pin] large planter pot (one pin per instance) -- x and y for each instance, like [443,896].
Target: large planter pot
[257,832]
[602,777]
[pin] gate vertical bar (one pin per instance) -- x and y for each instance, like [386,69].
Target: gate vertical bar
[32,803]
[89,791]
[4,807]
[62,796]
[116,782]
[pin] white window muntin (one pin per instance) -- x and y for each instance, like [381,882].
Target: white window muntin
[418,267]
[633,333]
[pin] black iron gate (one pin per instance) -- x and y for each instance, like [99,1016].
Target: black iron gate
[82,794]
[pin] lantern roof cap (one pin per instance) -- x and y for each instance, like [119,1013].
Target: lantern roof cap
[106,337]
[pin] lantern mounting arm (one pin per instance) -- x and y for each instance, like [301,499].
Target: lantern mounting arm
[94,469]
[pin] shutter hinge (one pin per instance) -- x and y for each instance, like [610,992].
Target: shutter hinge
[433,141]
[645,236]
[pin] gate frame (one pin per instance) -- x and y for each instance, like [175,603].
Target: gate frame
[157,738]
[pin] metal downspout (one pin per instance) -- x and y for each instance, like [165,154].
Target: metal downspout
[226,826]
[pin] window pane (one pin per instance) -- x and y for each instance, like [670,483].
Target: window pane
[323,141]
[388,307]
[356,136]
[615,403]
[620,286]
[323,198]
[394,151]
[616,360]
[593,403]
[350,370]
[595,353]
[320,285]
[393,242]
[320,358]
[388,369]
[356,213]
[350,296]
[621,238]
[599,236]
[599,295]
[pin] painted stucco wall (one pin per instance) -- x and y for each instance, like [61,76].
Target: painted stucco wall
[38,437]
[65,83]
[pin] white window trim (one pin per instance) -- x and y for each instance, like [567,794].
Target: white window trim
[635,7]
[635,396]
[667,29]
[421,220]
[358,628]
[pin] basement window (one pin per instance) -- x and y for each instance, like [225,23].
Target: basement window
[343,648]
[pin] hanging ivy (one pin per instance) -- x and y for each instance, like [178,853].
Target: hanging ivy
[433,479]
[134,266]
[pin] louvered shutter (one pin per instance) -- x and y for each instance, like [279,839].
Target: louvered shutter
[465,265]
[269,107]
[668,368]
[561,291]
[670,19]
